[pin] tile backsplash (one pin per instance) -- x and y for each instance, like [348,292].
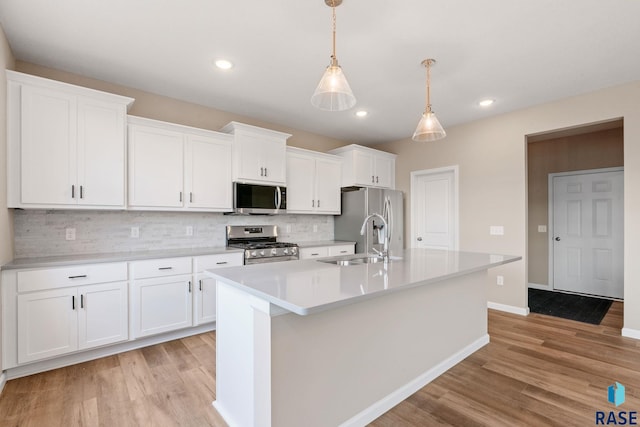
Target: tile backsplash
[41,233]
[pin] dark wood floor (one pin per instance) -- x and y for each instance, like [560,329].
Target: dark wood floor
[536,371]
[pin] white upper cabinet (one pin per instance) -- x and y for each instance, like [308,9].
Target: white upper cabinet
[366,167]
[66,145]
[313,182]
[259,155]
[173,167]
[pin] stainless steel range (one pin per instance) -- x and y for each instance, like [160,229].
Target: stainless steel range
[260,243]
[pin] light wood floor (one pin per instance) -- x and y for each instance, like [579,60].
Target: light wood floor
[537,371]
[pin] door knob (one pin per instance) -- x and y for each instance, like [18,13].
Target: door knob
[557,239]
[419,239]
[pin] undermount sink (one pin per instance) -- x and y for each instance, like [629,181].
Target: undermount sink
[369,259]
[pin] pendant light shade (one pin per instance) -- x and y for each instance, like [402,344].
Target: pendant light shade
[429,128]
[333,92]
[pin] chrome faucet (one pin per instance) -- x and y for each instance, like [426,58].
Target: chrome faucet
[385,243]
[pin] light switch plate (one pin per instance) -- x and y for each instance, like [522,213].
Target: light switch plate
[496,230]
[70,234]
[542,229]
[135,232]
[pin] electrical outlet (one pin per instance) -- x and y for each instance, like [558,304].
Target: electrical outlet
[315,228]
[189,230]
[70,234]
[288,228]
[500,280]
[135,232]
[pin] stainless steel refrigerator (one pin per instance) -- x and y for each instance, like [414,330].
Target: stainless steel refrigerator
[360,202]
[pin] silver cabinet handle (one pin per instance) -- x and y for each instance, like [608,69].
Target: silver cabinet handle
[190,197]
[200,284]
[261,171]
[81,276]
[221,262]
[81,192]
[313,203]
[73,191]
[189,286]
[181,196]
[318,202]
[81,301]
[165,268]
[73,302]
[265,172]
[377,179]
[373,179]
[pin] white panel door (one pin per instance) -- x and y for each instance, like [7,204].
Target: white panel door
[588,233]
[101,153]
[103,315]
[155,167]
[161,305]
[300,183]
[48,147]
[434,209]
[328,177]
[47,324]
[208,171]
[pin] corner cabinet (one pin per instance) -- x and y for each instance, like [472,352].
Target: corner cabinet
[313,182]
[174,167]
[366,167]
[259,155]
[66,145]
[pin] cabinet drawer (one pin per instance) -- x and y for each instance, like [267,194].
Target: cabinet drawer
[160,267]
[208,262]
[51,278]
[341,250]
[317,252]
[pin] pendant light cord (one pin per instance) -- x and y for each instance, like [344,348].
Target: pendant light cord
[334,60]
[428,63]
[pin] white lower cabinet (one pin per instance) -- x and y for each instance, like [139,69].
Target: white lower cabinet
[204,301]
[326,251]
[58,318]
[161,295]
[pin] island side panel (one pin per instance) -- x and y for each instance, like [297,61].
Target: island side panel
[342,365]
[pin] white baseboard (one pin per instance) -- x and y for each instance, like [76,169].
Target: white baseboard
[225,415]
[539,286]
[383,405]
[84,356]
[631,333]
[508,308]
[3,381]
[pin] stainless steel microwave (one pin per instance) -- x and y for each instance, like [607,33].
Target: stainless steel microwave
[259,199]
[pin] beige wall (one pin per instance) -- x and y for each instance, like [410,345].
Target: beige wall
[594,150]
[159,107]
[6,216]
[491,154]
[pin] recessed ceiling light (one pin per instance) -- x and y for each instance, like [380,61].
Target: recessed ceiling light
[486,102]
[361,113]
[223,64]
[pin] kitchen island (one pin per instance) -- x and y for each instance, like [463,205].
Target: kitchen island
[317,343]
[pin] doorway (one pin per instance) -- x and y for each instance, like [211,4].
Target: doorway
[434,208]
[586,236]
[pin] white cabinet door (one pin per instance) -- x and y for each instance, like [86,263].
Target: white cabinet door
[363,168]
[161,305]
[261,159]
[155,167]
[47,324]
[206,299]
[204,290]
[101,153]
[103,315]
[208,173]
[48,147]
[327,186]
[383,170]
[301,183]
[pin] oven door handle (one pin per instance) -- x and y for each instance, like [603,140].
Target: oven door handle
[278,197]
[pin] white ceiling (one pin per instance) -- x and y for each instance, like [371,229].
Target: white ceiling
[519,52]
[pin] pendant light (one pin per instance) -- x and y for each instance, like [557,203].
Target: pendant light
[429,128]
[333,92]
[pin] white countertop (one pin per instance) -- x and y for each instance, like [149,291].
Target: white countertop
[310,286]
[61,261]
